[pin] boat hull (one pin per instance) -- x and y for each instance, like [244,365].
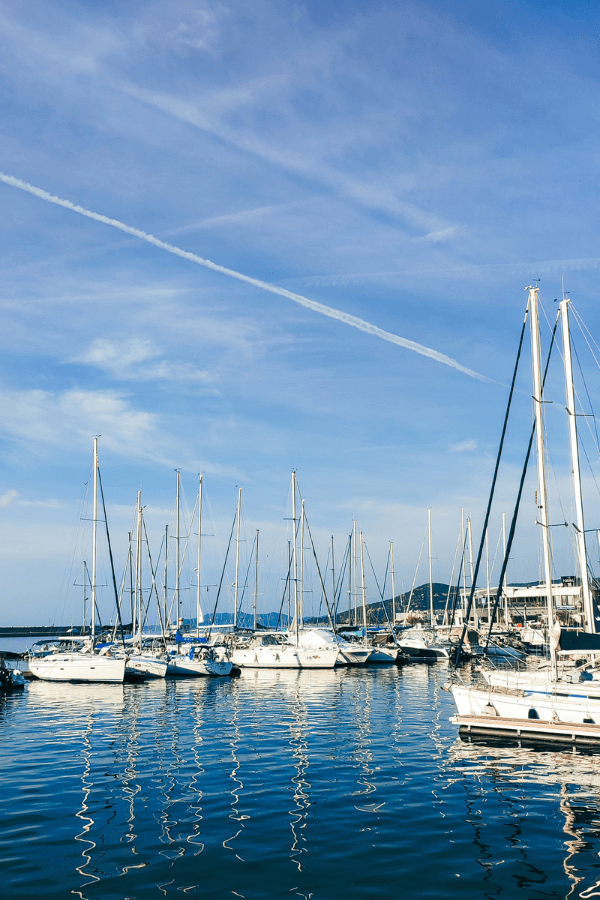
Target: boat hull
[148,666]
[184,667]
[80,667]
[576,708]
[383,656]
[351,656]
[284,658]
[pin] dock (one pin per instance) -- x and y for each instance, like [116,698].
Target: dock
[529,729]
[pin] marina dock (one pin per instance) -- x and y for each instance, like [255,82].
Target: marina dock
[531,729]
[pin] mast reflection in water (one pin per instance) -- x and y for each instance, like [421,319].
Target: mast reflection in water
[329,784]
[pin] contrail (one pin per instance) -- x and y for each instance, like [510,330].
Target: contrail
[329,311]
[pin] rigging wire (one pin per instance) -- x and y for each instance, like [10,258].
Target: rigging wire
[492,490]
[513,523]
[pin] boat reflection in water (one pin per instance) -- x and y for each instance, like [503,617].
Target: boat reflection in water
[283,783]
[568,779]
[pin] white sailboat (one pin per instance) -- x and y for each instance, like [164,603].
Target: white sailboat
[191,657]
[83,665]
[274,650]
[417,643]
[387,654]
[299,647]
[574,695]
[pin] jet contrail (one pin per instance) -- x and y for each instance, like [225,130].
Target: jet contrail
[329,311]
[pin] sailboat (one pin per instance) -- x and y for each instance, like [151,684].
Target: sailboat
[189,657]
[84,664]
[573,696]
[418,644]
[299,647]
[146,664]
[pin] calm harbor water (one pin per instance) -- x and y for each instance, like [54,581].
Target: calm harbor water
[335,784]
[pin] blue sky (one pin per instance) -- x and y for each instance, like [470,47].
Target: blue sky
[414,165]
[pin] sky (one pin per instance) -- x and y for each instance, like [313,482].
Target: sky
[375,185]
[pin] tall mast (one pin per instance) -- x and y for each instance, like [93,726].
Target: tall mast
[333,581]
[464,562]
[504,557]
[199,614]
[165,587]
[350,577]
[541,463]
[572,420]
[294,554]
[94,540]
[393,586]
[130,565]
[237,558]
[487,573]
[138,572]
[431,613]
[256,583]
[354,574]
[363,589]
[470,534]
[301,586]
[85,577]
[289,586]
[177,562]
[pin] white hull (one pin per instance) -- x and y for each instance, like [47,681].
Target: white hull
[575,709]
[353,656]
[148,666]
[284,657]
[85,667]
[540,682]
[184,667]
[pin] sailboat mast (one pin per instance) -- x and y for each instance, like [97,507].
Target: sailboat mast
[138,573]
[333,581]
[393,585]
[431,613]
[355,573]
[199,613]
[289,586]
[463,596]
[363,589]
[256,583]
[85,577]
[470,535]
[504,557]
[487,573]
[350,578]
[165,585]
[541,463]
[237,558]
[574,444]
[301,586]
[295,554]
[94,541]
[177,563]
[130,566]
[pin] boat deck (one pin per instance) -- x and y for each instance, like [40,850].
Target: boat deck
[531,729]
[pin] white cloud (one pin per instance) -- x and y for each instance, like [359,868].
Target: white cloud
[75,416]
[122,360]
[463,446]
[7,498]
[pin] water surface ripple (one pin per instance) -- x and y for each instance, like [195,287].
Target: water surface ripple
[326,785]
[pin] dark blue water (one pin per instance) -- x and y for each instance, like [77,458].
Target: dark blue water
[325,785]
